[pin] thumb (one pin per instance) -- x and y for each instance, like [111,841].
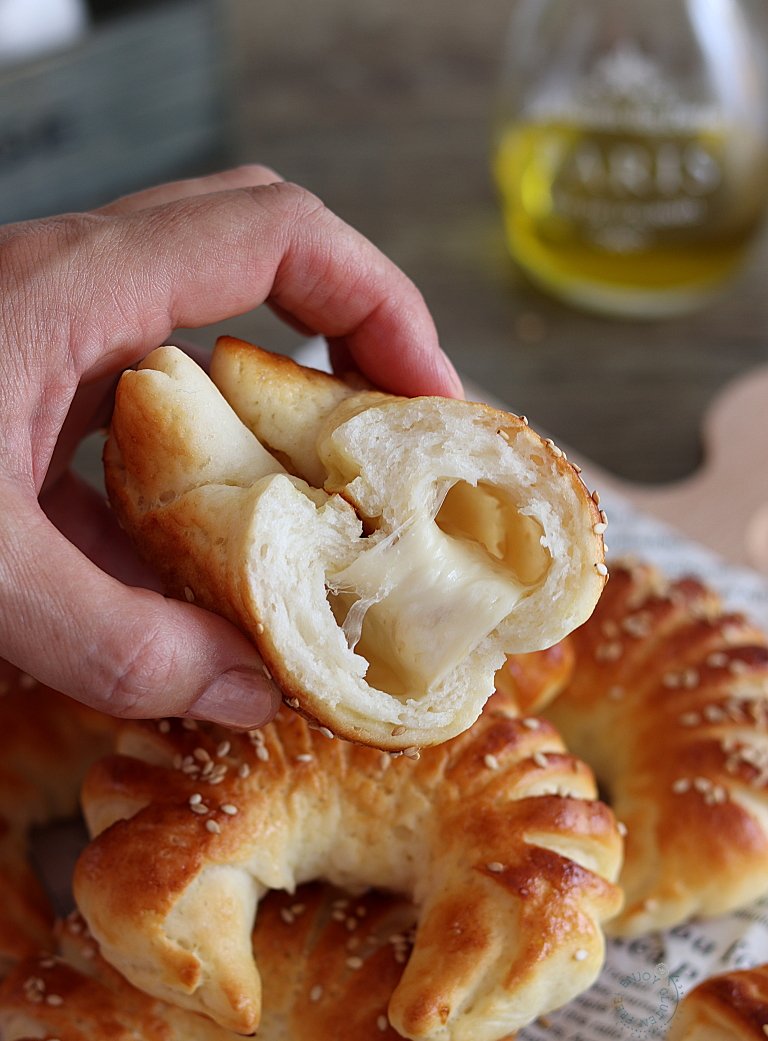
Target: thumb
[124,651]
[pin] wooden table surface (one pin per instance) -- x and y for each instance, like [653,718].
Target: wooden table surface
[383,110]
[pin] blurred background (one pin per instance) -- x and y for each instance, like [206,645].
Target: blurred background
[387,110]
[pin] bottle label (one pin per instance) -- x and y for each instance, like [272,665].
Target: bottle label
[625,156]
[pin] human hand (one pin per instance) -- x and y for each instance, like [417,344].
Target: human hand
[86,296]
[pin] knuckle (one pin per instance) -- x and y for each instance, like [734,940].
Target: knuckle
[142,679]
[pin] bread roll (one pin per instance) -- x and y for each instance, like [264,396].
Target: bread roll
[496,835]
[444,536]
[669,705]
[732,1006]
[47,743]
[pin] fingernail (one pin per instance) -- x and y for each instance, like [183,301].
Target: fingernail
[452,375]
[240,698]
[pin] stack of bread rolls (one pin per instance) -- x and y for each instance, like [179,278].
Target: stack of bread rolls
[401,852]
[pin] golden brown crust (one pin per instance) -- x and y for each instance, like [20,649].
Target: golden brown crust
[533,680]
[504,794]
[330,962]
[47,743]
[668,705]
[732,1006]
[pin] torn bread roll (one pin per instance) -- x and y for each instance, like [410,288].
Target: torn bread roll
[445,533]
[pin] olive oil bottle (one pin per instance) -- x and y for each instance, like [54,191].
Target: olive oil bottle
[631,148]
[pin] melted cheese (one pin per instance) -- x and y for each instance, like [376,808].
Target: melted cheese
[418,602]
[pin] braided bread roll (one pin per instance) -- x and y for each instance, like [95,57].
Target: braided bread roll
[732,1006]
[480,539]
[495,835]
[47,744]
[329,964]
[668,705]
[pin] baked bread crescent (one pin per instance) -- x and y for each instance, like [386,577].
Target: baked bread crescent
[669,705]
[732,1006]
[445,535]
[329,963]
[496,835]
[47,744]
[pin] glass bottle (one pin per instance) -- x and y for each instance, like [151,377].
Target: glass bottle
[631,147]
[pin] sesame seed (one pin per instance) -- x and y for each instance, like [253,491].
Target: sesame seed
[609,651]
[27,682]
[610,629]
[286,915]
[651,905]
[195,799]
[603,516]
[293,702]
[259,628]
[48,963]
[342,902]
[531,723]
[189,594]
[717,660]
[382,1023]
[765,1029]
[338,915]
[54,1000]
[262,753]
[495,867]
[714,714]
[229,809]
[213,827]
[601,570]
[491,761]
[89,952]
[354,962]
[621,828]
[398,731]
[600,529]
[400,957]
[189,724]
[616,692]
[164,726]
[690,678]
[243,770]
[702,784]
[681,785]
[395,755]
[581,955]
[201,755]
[177,761]
[576,468]
[361,911]
[298,909]
[412,752]
[541,760]
[199,807]
[738,666]
[671,680]
[690,719]
[596,497]
[266,672]
[351,924]
[316,993]
[305,757]
[504,434]
[223,749]
[326,732]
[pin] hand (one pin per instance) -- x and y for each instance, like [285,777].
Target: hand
[84,296]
